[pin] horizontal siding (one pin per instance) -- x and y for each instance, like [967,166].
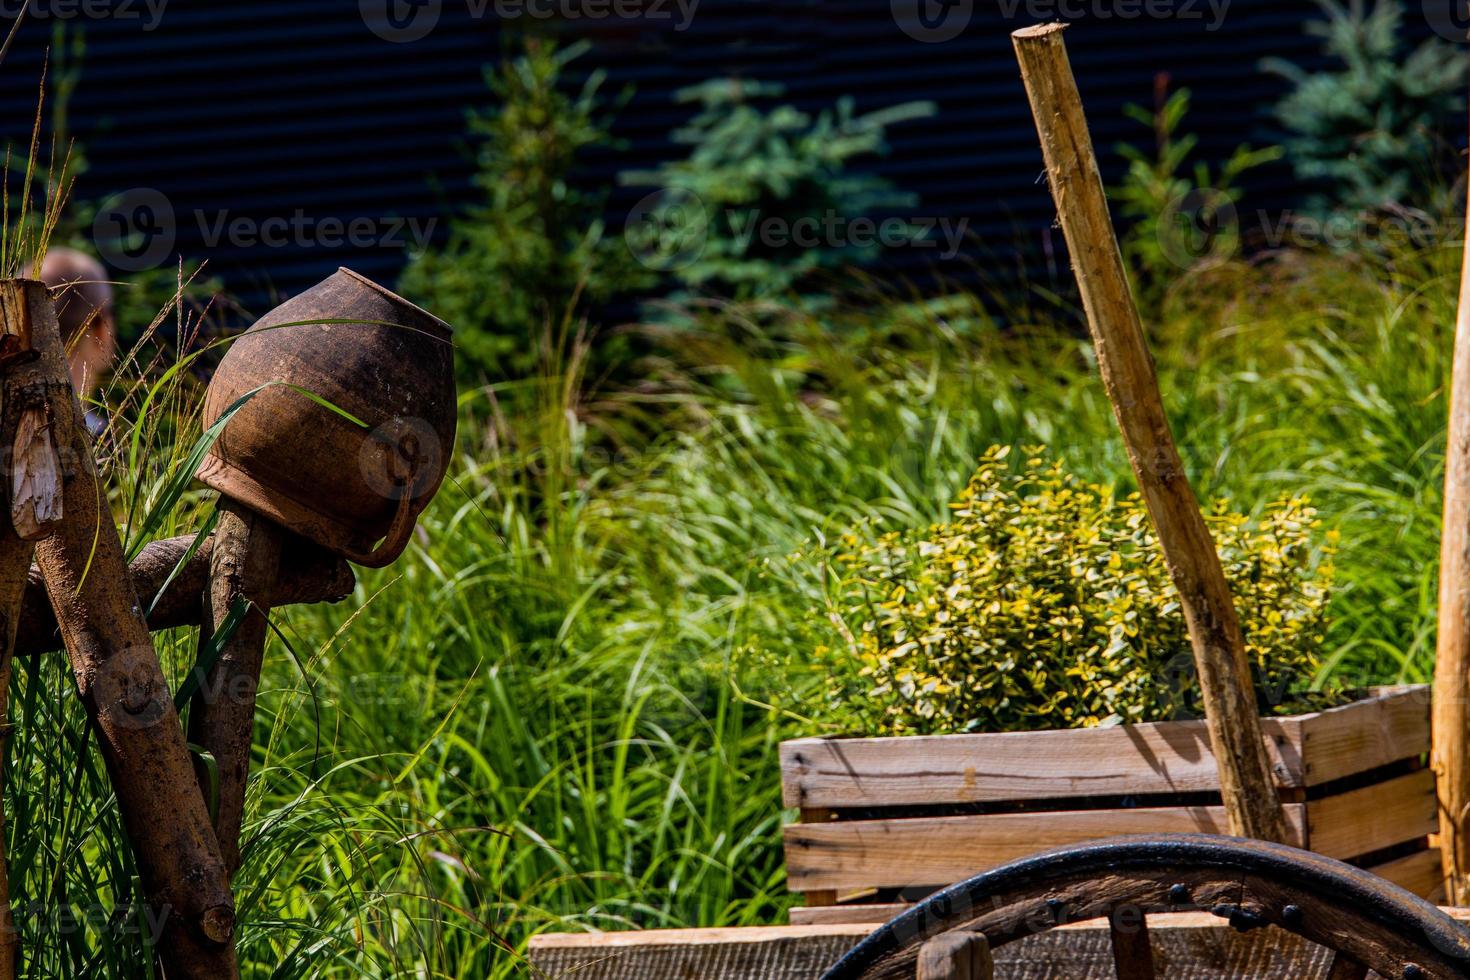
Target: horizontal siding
[265,108]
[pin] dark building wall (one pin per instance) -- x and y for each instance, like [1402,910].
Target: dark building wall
[283,107]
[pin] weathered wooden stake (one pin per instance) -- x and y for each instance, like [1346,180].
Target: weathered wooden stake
[956,956]
[1451,710]
[34,506]
[247,556]
[1128,375]
[124,690]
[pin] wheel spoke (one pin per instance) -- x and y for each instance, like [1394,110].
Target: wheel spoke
[956,956]
[1344,968]
[1133,953]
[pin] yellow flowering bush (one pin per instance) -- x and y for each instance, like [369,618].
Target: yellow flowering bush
[1045,603]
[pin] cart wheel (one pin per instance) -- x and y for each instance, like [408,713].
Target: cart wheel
[1366,922]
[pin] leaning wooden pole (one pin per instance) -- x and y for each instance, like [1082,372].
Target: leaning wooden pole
[1451,711]
[123,687]
[1128,375]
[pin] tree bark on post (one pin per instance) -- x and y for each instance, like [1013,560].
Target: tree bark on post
[243,568]
[1128,375]
[1451,705]
[33,494]
[123,688]
[170,591]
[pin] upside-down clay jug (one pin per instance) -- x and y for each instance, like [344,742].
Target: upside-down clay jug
[343,419]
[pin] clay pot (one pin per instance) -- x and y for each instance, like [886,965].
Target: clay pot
[354,489]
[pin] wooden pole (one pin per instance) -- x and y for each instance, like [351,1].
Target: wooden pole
[170,593]
[247,557]
[1451,706]
[1128,375]
[125,693]
[34,510]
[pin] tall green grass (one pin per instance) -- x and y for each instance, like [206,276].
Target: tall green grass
[560,709]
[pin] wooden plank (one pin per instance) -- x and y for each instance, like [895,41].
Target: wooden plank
[1158,758]
[1359,737]
[1375,817]
[872,915]
[1187,946]
[934,851]
[956,956]
[1167,757]
[776,953]
[1421,873]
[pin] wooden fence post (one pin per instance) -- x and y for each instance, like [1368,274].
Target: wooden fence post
[1451,709]
[32,507]
[1128,375]
[123,687]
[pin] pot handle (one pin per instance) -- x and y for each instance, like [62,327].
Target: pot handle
[396,539]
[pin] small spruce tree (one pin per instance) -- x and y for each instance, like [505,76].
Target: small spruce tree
[533,252]
[1370,134]
[752,168]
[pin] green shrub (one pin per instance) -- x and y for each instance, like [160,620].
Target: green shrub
[1180,215]
[1371,134]
[1045,603]
[749,165]
[533,252]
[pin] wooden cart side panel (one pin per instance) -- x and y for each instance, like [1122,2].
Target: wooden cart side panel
[1160,758]
[1170,757]
[930,851]
[1365,735]
[1187,947]
[1374,817]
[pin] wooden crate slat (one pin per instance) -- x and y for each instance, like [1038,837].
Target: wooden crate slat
[827,915]
[1420,873]
[1160,758]
[1171,757]
[1366,735]
[1374,817]
[930,851]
